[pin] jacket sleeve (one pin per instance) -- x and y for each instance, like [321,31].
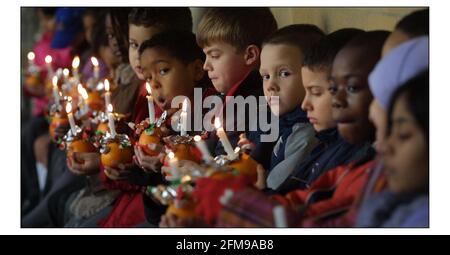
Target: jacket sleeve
[298,147]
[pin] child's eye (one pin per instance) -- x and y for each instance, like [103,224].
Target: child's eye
[352,89]
[163,71]
[214,56]
[265,77]
[284,73]
[332,89]
[403,136]
[133,45]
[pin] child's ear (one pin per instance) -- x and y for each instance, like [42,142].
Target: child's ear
[251,55]
[197,69]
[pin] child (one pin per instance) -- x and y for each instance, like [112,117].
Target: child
[351,100]
[129,208]
[281,61]
[332,150]
[231,38]
[405,202]
[402,63]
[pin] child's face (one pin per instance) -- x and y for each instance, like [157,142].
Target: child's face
[317,102]
[168,76]
[137,35]
[281,73]
[406,157]
[88,25]
[225,65]
[115,43]
[351,96]
[107,55]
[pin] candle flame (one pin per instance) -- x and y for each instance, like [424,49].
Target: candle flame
[48,59]
[83,92]
[185,105]
[55,81]
[75,62]
[197,138]
[149,88]
[106,85]
[94,61]
[110,108]
[171,155]
[217,123]
[80,88]
[31,56]
[66,72]
[68,107]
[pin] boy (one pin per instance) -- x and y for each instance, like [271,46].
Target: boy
[231,38]
[281,61]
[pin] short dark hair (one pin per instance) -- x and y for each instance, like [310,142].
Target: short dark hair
[179,44]
[417,91]
[165,18]
[302,36]
[98,34]
[48,11]
[321,55]
[237,26]
[416,23]
[371,42]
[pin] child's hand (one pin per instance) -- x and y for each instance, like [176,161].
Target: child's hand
[244,142]
[261,178]
[172,221]
[120,173]
[149,163]
[185,167]
[90,163]
[61,131]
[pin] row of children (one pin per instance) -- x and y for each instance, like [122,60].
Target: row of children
[328,92]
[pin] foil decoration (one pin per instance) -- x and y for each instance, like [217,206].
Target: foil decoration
[122,139]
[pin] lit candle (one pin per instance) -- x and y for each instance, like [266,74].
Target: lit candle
[71,119]
[66,75]
[84,96]
[107,93]
[224,139]
[48,62]
[201,145]
[279,217]
[31,57]
[151,108]
[183,118]
[173,163]
[75,65]
[55,89]
[96,68]
[111,121]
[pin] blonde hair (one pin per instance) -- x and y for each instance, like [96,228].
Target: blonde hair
[239,27]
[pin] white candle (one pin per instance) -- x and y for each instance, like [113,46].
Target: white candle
[173,163]
[183,118]
[75,65]
[279,217]
[31,57]
[107,93]
[96,68]
[55,89]
[224,139]
[71,119]
[66,75]
[111,121]
[151,107]
[84,96]
[48,61]
[201,145]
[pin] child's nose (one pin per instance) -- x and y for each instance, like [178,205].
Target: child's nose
[306,105]
[339,99]
[207,65]
[272,85]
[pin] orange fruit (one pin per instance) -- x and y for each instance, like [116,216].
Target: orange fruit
[186,211]
[146,139]
[79,145]
[117,155]
[247,166]
[95,101]
[103,127]
[57,121]
[32,80]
